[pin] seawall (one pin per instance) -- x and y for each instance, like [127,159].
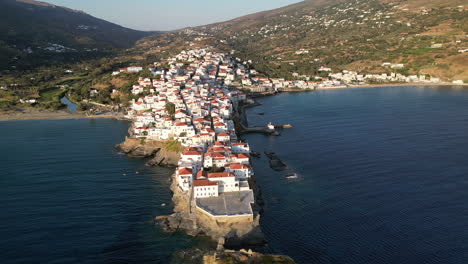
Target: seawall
[236,231]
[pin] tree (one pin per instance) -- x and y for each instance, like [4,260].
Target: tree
[215,169]
[170,109]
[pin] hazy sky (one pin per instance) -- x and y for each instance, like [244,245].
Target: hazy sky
[169,14]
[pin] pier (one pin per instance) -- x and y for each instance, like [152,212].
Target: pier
[268,129]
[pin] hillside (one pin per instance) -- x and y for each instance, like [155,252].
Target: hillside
[423,37]
[34,33]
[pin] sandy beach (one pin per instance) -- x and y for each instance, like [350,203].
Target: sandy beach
[33,114]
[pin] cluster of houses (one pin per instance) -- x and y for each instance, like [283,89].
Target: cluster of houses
[131,69]
[351,77]
[190,103]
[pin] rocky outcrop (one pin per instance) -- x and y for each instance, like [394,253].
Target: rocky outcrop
[275,162]
[155,150]
[236,232]
[164,157]
[206,256]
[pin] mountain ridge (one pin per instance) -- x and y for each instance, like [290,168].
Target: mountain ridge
[37,33]
[362,35]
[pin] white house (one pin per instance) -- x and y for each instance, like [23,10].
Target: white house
[241,171]
[204,188]
[184,178]
[226,181]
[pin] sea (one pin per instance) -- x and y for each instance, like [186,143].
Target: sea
[67,196]
[382,178]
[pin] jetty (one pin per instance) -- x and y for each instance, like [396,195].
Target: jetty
[269,129]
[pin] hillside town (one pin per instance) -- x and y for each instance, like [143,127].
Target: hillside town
[193,103]
[190,104]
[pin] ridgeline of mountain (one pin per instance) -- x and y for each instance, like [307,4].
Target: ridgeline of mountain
[419,37]
[34,33]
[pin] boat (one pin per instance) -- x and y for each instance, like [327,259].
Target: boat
[292,176]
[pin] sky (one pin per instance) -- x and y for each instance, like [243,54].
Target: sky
[169,14]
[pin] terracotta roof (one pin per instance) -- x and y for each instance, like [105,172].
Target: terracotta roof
[198,183]
[191,153]
[242,156]
[201,174]
[221,175]
[185,171]
[238,166]
[214,155]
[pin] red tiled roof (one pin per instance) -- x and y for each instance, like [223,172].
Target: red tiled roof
[191,153]
[214,155]
[198,183]
[221,175]
[242,156]
[185,171]
[238,166]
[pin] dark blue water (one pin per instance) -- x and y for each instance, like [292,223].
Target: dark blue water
[383,175]
[64,198]
[70,106]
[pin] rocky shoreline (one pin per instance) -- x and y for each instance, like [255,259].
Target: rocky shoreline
[186,217]
[233,234]
[230,234]
[154,150]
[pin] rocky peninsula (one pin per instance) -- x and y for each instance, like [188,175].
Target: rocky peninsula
[156,151]
[196,129]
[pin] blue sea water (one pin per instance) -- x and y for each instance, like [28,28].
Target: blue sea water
[67,196]
[383,175]
[70,106]
[383,179]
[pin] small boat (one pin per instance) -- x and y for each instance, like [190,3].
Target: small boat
[163,204]
[137,172]
[292,176]
[125,174]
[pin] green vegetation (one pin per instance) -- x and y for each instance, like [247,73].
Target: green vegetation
[170,109]
[173,145]
[52,35]
[419,51]
[215,169]
[358,35]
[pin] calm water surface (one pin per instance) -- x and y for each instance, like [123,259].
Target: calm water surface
[65,198]
[383,175]
[383,179]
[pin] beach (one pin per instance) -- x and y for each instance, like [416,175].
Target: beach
[35,114]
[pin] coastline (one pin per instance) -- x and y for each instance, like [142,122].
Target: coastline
[34,114]
[51,115]
[394,85]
